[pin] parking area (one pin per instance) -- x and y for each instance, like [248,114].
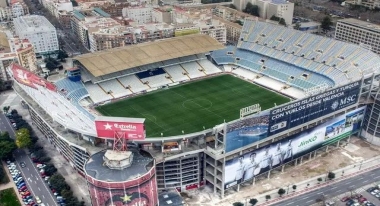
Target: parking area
[22,188]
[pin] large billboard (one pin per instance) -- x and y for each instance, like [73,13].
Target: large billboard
[23,76]
[129,128]
[247,131]
[249,165]
[302,111]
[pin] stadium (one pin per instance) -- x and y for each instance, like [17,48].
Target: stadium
[203,109]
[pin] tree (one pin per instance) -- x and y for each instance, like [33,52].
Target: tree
[14,112]
[294,187]
[252,9]
[274,18]
[7,147]
[282,22]
[297,26]
[23,138]
[281,192]
[6,109]
[319,179]
[74,3]
[238,204]
[39,154]
[50,169]
[58,182]
[232,6]
[326,23]
[267,197]
[50,66]
[239,22]
[253,201]
[331,175]
[62,55]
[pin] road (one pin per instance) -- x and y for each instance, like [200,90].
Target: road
[36,185]
[333,190]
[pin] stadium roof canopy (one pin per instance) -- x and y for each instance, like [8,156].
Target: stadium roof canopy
[123,58]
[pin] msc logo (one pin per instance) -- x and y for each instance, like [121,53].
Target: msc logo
[344,101]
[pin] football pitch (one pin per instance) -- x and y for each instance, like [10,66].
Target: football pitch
[193,106]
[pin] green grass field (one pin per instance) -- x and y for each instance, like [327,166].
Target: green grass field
[192,106]
[8,198]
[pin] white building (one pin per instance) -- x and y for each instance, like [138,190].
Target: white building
[359,32]
[139,14]
[15,10]
[39,31]
[372,4]
[267,8]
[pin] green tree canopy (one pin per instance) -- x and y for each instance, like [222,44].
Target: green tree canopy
[294,187]
[281,192]
[62,55]
[297,26]
[23,139]
[58,182]
[326,23]
[238,204]
[252,9]
[282,22]
[331,175]
[74,3]
[253,201]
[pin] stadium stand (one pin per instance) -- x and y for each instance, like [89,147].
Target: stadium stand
[115,88]
[157,80]
[193,69]
[295,58]
[135,84]
[208,67]
[177,73]
[97,93]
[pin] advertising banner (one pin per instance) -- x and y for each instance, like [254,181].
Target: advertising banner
[259,161]
[130,128]
[302,111]
[247,131]
[171,146]
[23,76]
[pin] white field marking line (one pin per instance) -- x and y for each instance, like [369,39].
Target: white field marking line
[207,109]
[144,115]
[42,181]
[149,115]
[178,94]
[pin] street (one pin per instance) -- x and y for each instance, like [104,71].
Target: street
[333,190]
[36,185]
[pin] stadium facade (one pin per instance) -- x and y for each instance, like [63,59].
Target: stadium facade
[334,87]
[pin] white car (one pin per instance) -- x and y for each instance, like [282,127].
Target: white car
[38,200]
[41,166]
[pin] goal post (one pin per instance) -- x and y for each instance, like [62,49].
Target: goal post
[256,108]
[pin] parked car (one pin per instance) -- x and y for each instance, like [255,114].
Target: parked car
[22,164]
[41,166]
[22,189]
[25,193]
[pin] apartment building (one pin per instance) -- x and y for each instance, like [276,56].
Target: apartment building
[85,21]
[13,11]
[15,50]
[64,19]
[359,32]
[267,8]
[139,14]
[188,21]
[233,29]
[371,4]
[25,53]
[39,31]
[162,14]
[120,35]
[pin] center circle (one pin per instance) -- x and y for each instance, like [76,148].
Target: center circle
[197,104]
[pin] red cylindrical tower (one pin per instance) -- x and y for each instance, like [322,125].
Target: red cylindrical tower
[112,184]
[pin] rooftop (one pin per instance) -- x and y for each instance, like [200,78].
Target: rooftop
[33,23]
[69,136]
[123,58]
[362,24]
[142,163]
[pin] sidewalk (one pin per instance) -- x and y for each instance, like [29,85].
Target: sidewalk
[10,184]
[76,182]
[313,184]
